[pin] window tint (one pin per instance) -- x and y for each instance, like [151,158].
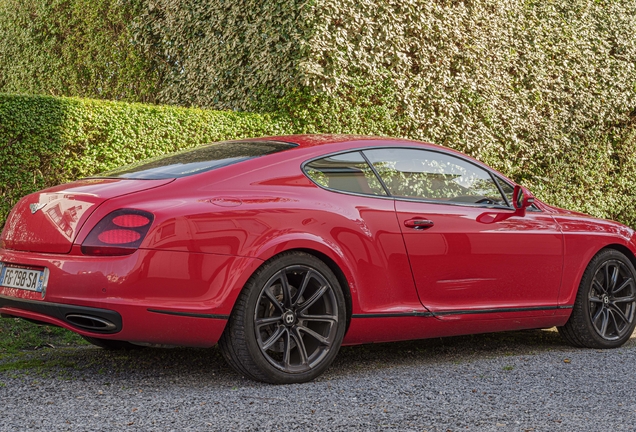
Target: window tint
[347,172]
[434,176]
[507,189]
[198,159]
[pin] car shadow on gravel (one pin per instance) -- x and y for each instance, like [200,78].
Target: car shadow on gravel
[208,367]
[458,349]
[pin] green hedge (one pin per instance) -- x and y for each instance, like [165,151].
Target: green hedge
[543,90]
[75,48]
[48,140]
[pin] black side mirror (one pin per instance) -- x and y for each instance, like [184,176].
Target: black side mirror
[522,199]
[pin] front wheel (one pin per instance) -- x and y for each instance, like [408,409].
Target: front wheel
[605,306]
[288,322]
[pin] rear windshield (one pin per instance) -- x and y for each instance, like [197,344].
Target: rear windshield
[197,160]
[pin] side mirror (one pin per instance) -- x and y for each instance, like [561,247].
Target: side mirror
[522,199]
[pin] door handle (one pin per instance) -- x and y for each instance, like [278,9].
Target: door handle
[418,224]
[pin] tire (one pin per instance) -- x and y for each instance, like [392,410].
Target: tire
[287,335]
[112,345]
[604,311]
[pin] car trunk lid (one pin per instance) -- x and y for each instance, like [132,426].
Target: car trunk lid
[48,221]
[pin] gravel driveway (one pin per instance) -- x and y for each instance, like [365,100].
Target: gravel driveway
[522,381]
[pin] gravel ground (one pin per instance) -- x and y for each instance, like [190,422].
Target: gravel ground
[521,381]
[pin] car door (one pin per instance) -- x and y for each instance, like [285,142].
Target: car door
[367,233]
[470,251]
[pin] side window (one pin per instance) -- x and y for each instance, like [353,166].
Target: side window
[431,175]
[347,172]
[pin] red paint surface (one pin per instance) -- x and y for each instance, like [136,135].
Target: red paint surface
[211,231]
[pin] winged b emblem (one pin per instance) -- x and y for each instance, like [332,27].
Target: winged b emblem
[36,206]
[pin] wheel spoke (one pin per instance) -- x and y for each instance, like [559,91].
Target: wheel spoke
[613,280]
[598,286]
[268,321]
[619,312]
[596,299]
[320,318]
[286,291]
[323,340]
[625,284]
[273,300]
[627,299]
[611,313]
[605,322]
[287,349]
[302,288]
[273,338]
[313,299]
[598,313]
[607,277]
[300,344]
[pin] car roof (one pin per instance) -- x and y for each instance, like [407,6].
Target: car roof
[318,144]
[315,140]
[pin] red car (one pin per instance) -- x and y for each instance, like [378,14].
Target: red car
[283,248]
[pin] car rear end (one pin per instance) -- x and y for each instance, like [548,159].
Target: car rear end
[79,255]
[46,276]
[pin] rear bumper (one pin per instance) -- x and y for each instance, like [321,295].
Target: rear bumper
[95,320]
[151,296]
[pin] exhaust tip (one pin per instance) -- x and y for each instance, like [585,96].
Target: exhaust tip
[91,322]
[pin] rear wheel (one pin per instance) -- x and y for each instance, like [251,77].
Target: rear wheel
[288,322]
[605,306]
[111,344]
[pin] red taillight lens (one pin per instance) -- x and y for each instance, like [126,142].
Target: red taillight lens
[119,233]
[131,221]
[118,236]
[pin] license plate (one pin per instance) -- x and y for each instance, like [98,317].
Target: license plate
[26,279]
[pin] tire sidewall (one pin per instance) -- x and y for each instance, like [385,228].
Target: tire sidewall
[583,303]
[255,287]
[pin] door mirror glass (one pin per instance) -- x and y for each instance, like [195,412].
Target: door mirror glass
[522,198]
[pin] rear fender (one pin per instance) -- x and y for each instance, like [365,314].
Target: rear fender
[312,243]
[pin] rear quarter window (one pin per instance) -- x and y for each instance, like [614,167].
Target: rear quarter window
[347,172]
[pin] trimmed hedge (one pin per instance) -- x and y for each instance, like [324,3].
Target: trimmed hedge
[543,90]
[48,140]
[75,48]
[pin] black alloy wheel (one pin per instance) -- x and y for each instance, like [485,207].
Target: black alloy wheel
[605,307]
[611,297]
[296,319]
[288,323]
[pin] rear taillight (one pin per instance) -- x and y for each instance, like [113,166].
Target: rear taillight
[119,233]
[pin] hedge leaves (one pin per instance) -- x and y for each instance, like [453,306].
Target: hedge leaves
[543,90]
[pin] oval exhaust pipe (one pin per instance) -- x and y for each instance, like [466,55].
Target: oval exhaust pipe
[90,322]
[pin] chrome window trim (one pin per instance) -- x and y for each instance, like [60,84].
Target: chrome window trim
[408,199]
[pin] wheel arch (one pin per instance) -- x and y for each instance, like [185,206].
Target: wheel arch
[581,329]
[569,292]
[622,249]
[337,271]
[238,347]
